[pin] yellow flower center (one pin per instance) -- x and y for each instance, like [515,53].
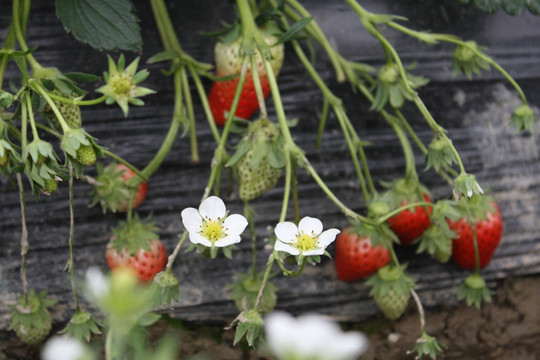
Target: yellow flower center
[305,242]
[212,230]
[121,85]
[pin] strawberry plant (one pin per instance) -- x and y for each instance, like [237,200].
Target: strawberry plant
[43,137]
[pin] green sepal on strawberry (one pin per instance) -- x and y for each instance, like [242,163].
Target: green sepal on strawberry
[229,53]
[258,159]
[249,325]
[410,223]
[427,345]
[80,148]
[30,318]
[165,289]
[246,290]
[474,290]
[136,245]
[81,326]
[390,288]
[111,189]
[437,239]
[356,257]
[9,156]
[41,167]
[484,214]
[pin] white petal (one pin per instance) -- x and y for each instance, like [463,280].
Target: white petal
[281,332]
[235,224]
[286,231]
[319,251]
[281,246]
[96,283]
[310,226]
[327,237]
[228,240]
[191,219]
[63,348]
[349,345]
[212,208]
[197,238]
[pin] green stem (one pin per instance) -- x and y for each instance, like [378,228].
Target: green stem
[71,235]
[322,123]
[109,346]
[125,162]
[382,219]
[172,257]
[204,102]
[258,88]
[287,189]
[476,249]
[24,234]
[294,183]
[16,16]
[248,212]
[410,165]
[220,151]
[314,28]
[264,281]
[36,86]
[288,272]
[30,111]
[65,100]
[191,116]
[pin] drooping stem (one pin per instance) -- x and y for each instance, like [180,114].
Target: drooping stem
[30,111]
[24,234]
[17,18]
[258,88]
[36,86]
[248,212]
[289,273]
[191,116]
[71,235]
[420,308]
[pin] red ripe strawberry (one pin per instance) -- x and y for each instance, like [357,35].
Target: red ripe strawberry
[410,224]
[111,189]
[229,62]
[356,257]
[488,226]
[136,246]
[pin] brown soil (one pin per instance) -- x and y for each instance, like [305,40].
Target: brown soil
[508,328]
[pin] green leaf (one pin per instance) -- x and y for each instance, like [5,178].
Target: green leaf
[163,56]
[534,6]
[82,77]
[103,24]
[490,6]
[514,7]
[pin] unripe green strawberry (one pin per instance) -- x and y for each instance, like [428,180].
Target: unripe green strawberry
[71,113]
[86,155]
[391,290]
[50,186]
[255,182]
[30,318]
[4,158]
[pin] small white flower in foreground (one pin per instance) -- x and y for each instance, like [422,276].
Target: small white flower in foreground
[65,348]
[96,283]
[306,239]
[211,225]
[311,337]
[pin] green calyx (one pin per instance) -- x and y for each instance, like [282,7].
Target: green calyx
[523,118]
[134,235]
[464,53]
[249,324]
[389,74]
[474,290]
[81,326]
[440,155]
[165,289]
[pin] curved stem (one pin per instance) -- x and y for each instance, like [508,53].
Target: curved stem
[16,16]
[288,272]
[172,257]
[71,235]
[30,111]
[36,86]
[24,234]
[191,116]
[264,280]
[420,308]
[65,100]
[410,165]
[287,189]
[393,213]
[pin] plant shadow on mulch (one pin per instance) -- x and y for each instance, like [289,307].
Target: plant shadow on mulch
[507,328]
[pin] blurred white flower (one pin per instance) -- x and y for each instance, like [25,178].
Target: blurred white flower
[65,348]
[306,239]
[96,283]
[311,337]
[211,225]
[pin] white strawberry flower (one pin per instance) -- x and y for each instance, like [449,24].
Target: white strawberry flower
[65,348]
[211,225]
[306,239]
[97,284]
[311,337]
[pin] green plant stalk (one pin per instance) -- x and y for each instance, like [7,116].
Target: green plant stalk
[24,130]
[16,18]
[204,102]
[220,151]
[289,272]
[314,28]
[322,123]
[248,212]
[420,308]
[191,116]
[297,153]
[258,88]
[393,213]
[476,250]
[70,240]
[24,235]
[37,87]
[9,42]
[410,165]
[294,189]
[30,111]
[65,100]
[336,104]
[172,257]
